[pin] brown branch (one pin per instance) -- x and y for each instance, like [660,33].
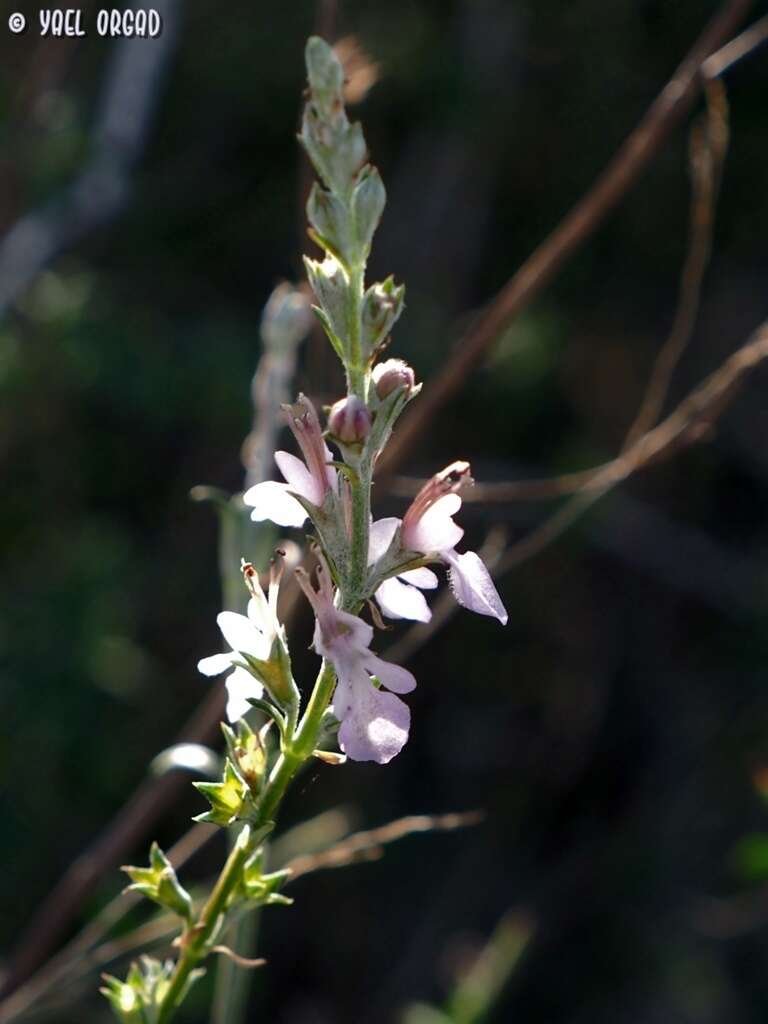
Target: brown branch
[708,147]
[709,144]
[369,845]
[738,48]
[579,224]
[690,422]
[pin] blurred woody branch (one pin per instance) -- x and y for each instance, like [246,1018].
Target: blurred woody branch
[154,796]
[579,224]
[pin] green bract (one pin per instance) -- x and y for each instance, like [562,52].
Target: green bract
[159,883]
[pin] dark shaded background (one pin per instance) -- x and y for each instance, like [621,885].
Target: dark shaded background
[614,730]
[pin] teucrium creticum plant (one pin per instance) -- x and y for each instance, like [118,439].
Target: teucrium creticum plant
[354,697]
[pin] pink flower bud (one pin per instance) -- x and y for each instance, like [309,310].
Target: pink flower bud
[391,375]
[350,420]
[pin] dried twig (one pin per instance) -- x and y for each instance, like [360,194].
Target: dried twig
[579,224]
[363,846]
[709,142]
[744,44]
[690,422]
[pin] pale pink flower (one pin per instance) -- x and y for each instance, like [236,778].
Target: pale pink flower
[245,635]
[428,528]
[374,724]
[400,596]
[311,479]
[252,634]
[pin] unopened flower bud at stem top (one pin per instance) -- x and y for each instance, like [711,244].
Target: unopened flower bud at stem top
[391,375]
[349,420]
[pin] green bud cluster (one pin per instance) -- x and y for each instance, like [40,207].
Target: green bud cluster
[260,888]
[231,800]
[344,212]
[159,883]
[139,999]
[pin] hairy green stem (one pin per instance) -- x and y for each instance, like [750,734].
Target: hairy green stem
[360,491]
[195,939]
[194,943]
[357,376]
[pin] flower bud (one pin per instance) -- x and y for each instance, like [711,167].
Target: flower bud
[350,420]
[382,305]
[391,375]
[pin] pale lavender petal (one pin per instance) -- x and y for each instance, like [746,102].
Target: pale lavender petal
[394,677]
[241,634]
[380,537]
[435,530]
[298,477]
[422,578]
[240,686]
[271,500]
[340,637]
[400,601]
[472,585]
[376,726]
[215,664]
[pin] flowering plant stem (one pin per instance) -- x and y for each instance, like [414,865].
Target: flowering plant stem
[194,943]
[359,559]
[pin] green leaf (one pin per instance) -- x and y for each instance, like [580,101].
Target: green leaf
[330,218]
[368,200]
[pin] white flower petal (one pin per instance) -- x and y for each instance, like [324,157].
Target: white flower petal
[380,537]
[472,585]
[259,614]
[241,634]
[394,677]
[400,601]
[298,476]
[435,530]
[240,686]
[271,500]
[215,664]
[422,578]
